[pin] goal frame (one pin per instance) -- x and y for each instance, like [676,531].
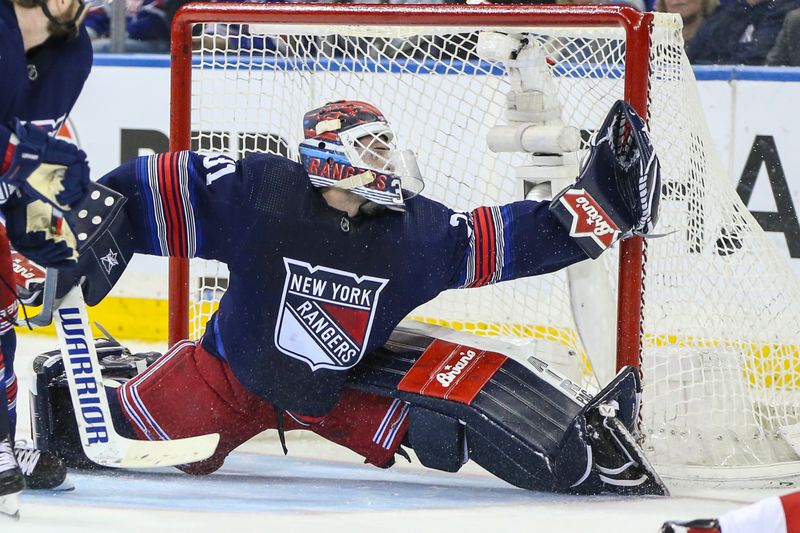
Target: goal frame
[637,27]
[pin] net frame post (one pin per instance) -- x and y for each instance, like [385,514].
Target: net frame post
[637,27]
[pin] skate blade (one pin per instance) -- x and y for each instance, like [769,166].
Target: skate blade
[9,507]
[66,486]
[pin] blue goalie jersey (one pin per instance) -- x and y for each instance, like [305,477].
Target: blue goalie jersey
[311,291]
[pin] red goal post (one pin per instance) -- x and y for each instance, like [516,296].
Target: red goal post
[637,64]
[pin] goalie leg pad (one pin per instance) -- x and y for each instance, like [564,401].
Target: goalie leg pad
[527,425]
[514,419]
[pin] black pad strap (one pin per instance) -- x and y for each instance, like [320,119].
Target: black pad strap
[438,439]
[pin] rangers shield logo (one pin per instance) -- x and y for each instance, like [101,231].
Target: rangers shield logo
[326,315]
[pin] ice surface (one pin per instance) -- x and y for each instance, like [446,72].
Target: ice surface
[319,487]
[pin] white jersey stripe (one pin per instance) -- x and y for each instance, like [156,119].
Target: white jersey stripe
[183,174]
[158,208]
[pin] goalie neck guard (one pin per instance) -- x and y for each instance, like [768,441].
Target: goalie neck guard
[349,144]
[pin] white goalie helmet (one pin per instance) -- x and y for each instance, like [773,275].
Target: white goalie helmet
[350,145]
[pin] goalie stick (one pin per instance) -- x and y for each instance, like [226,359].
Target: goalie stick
[100,441]
[45,316]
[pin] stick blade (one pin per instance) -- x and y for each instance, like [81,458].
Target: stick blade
[129,453]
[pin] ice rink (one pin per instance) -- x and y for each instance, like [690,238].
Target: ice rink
[320,487]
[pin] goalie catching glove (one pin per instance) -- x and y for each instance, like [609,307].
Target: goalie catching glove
[617,193]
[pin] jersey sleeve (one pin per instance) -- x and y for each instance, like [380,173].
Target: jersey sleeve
[184,204]
[510,241]
[98,22]
[150,22]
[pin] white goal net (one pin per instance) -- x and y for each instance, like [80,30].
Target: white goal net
[721,308]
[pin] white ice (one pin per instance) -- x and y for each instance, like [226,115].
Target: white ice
[320,487]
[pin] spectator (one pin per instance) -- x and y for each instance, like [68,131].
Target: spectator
[146,27]
[636,4]
[692,12]
[787,46]
[740,33]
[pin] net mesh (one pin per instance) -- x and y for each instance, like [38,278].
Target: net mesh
[720,362]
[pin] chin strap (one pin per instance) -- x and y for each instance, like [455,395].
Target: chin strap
[358,180]
[69,27]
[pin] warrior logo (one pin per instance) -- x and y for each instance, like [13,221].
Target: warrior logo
[326,315]
[588,218]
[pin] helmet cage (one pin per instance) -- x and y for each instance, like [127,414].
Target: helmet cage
[331,158]
[329,166]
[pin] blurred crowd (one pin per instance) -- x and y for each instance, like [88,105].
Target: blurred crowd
[715,32]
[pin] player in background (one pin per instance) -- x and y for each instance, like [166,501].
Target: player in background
[326,257]
[776,514]
[45,58]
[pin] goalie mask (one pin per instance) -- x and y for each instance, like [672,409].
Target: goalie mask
[349,144]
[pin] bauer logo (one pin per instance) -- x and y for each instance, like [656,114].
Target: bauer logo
[79,364]
[326,315]
[588,218]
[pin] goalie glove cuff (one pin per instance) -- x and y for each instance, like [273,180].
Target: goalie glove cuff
[617,193]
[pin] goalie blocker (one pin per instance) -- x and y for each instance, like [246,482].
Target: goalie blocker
[105,246]
[449,402]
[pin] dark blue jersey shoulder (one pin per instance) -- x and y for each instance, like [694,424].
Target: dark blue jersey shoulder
[207,205]
[42,85]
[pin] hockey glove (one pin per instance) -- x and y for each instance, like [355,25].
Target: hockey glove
[617,193]
[39,232]
[29,279]
[703,525]
[47,168]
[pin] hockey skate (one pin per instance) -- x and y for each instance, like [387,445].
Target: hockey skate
[611,417]
[11,481]
[42,469]
[606,425]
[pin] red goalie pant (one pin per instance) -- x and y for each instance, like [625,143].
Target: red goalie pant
[189,392]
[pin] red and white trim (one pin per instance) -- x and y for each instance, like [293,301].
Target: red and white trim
[388,430]
[132,404]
